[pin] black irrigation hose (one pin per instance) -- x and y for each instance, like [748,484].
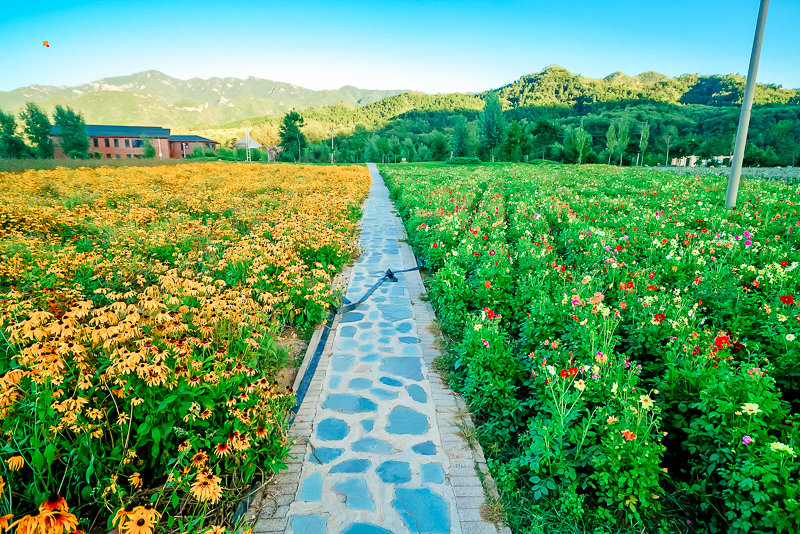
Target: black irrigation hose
[302,389]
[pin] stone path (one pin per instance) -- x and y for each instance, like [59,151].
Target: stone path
[377,447]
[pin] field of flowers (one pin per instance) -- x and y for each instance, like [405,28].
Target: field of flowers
[630,349]
[139,309]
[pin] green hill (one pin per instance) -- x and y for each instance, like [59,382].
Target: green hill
[153,98]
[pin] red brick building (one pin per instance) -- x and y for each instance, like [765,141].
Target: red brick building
[121,142]
[181,146]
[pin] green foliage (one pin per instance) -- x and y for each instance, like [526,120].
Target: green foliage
[614,383]
[37,128]
[292,139]
[463,161]
[148,148]
[72,138]
[517,144]
[491,124]
[11,146]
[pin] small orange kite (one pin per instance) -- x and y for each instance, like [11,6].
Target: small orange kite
[46,43]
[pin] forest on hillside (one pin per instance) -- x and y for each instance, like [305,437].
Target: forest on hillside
[554,114]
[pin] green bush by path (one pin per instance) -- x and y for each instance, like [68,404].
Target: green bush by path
[629,347]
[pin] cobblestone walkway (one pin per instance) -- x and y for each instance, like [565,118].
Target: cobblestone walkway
[375,460]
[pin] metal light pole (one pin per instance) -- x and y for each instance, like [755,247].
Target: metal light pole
[747,105]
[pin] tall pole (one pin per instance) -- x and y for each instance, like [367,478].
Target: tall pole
[331,144]
[747,105]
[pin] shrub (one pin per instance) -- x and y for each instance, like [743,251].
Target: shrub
[463,161]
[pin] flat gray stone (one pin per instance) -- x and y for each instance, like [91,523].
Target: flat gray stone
[312,488]
[422,510]
[426,449]
[360,383]
[309,524]
[374,445]
[344,403]
[406,367]
[347,331]
[352,466]
[351,317]
[393,472]
[417,393]
[432,473]
[324,455]
[383,394]
[386,381]
[332,429]
[356,494]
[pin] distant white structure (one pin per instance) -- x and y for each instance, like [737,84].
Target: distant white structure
[247,142]
[692,161]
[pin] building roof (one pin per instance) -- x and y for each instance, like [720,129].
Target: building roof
[187,138]
[102,130]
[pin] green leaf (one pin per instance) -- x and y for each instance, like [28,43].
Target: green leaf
[37,460]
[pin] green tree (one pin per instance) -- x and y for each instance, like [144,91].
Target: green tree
[410,151]
[384,148]
[292,139]
[439,150]
[644,138]
[73,138]
[516,143]
[459,137]
[491,124]
[37,128]
[546,133]
[623,135]
[668,138]
[611,141]
[11,145]
[580,141]
[148,148]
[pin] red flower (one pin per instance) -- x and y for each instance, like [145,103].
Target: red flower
[651,287]
[488,284]
[434,245]
[664,241]
[659,318]
[563,373]
[628,435]
[784,263]
[651,274]
[491,252]
[619,247]
[787,299]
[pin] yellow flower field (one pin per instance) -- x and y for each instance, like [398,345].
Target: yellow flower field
[138,308]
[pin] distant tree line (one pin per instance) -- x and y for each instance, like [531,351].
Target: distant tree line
[623,133]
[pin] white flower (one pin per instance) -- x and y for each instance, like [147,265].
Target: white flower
[551,369]
[614,388]
[778,446]
[790,337]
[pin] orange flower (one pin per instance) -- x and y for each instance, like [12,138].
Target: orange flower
[216,530]
[206,490]
[222,449]
[628,435]
[60,522]
[488,284]
[199,458]
[5,521]
[15,463]
[2,486]
[135,480]
[53,503]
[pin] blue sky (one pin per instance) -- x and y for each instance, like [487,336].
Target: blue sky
[430,46]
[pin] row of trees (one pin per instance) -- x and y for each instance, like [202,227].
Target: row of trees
[35,128]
